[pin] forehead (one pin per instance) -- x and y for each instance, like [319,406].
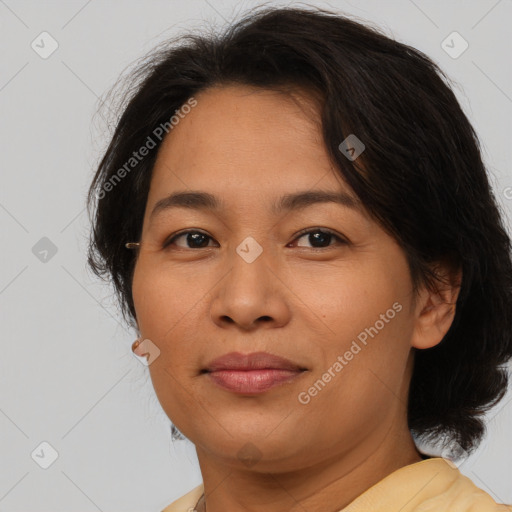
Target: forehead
[240,140]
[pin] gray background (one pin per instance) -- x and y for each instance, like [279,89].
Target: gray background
[67,374]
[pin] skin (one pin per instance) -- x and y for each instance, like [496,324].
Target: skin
[248,147]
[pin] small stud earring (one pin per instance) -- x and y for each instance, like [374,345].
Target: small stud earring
[132,245]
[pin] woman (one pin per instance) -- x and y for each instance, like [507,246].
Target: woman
[300,228]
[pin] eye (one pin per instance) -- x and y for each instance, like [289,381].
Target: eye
[320,238]
[197,239]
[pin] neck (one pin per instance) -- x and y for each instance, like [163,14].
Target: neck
[329,486]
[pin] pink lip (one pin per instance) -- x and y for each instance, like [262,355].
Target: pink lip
[253,361]
[251,373]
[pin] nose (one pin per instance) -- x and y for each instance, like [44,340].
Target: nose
[251,295]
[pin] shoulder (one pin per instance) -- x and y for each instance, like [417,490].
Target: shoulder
[187,502]
[461,495]
[433,485]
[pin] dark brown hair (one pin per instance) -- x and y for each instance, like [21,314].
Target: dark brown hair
[421,176]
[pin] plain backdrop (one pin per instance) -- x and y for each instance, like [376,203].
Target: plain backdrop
[67,374]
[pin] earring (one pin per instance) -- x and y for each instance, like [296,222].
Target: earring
[132,245]
[135,344]
[145,348]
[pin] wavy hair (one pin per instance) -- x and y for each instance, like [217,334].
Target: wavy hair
[421,177]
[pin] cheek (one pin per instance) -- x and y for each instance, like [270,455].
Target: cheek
[163,304]
[362,315]
[167,304]
[160,299]
[343,300]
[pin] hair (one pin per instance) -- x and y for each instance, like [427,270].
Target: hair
[421,177]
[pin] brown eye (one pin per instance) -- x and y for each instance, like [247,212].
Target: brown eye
[195,239]
[320,238]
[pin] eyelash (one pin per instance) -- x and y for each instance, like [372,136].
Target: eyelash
[307,231]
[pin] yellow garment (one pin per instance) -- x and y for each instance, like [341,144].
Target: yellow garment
[432,485]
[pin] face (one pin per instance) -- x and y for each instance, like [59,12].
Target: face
[335,301]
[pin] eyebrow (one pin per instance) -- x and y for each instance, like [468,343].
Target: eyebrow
[205,201]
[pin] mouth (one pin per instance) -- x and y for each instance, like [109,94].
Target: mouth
[251,373]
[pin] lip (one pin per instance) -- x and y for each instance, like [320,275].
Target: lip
[251,373]
[253,361]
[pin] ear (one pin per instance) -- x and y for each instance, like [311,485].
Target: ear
[435,309]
